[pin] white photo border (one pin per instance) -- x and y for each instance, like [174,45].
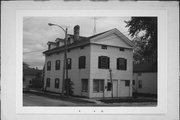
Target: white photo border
[161,107]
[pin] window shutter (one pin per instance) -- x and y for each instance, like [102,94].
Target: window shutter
[99,62]
[125,67]
[108,60]
[118,63]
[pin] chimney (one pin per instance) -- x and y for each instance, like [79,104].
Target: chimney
[76,33]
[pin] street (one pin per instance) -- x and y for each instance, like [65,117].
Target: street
[34,100]
[30,99]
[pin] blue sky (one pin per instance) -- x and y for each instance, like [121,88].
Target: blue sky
[36,32]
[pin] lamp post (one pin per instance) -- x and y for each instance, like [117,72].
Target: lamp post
[65,70]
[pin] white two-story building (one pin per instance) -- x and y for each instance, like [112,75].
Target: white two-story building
[92,62]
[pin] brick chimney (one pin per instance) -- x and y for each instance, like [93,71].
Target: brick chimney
[76,33]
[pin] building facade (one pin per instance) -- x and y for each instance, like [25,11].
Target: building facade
[145,79]
[99,66]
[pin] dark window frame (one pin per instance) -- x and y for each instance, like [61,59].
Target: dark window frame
[139,83]
[57,67]
[69,63]
[127,83]
[104,47]
[48,82]
[100,88]
[103,62]
[56,84]
[48,65]
[84,87]
[119,64]
[133,82]
[109,86]
[82,62]
[121,49]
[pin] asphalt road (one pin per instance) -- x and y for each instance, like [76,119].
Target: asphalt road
[34,100]
[39,100]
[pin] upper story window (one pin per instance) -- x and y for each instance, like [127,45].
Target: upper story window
[121,64]
[104,47]
[57,64]
[82,47]
[56,83]
[48,82]
[103,62]
[49,65]
[82,62]
[121,49]
[68,63]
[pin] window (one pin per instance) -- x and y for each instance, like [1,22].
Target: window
[103,62]
[49,65]
[57,64]
[48,82]
[82,62]
[68,63]
[57,83]
[98,85]
[109,86]
[82,47]
[104,47]
[84,85]
[121,64]
[121,49]
[127,83]
[140,83]
[133,82]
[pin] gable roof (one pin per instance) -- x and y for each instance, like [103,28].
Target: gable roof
[87,40]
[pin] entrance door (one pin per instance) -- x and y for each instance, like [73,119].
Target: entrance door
[115,88]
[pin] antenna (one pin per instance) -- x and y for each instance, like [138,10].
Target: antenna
[94,25]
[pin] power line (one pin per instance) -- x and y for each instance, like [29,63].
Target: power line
[33,51]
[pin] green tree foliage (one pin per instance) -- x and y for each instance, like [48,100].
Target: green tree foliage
[144,32]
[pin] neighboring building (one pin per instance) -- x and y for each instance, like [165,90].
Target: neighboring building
[30,76]
[89,62]
[145,79]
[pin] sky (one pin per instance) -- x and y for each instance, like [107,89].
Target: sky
[36,33]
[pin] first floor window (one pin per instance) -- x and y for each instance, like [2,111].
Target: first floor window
[84,85]
[133,82]
[109,86]
[98,85]
[127,82]
[57,83]
[140,83]
[48,82]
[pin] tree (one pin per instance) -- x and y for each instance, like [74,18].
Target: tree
[25,65]
[144,32]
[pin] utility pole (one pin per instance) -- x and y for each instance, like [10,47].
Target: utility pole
[110,73]
[65,70]
[66,63]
